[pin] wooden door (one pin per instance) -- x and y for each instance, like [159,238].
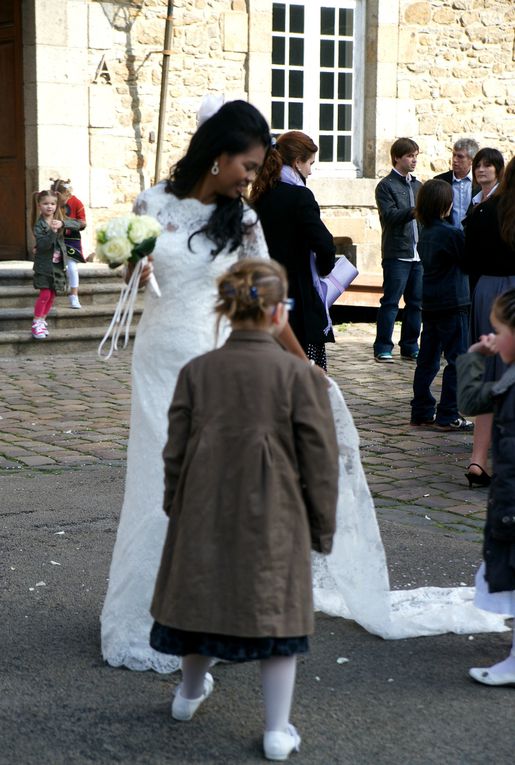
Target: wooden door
[13,244]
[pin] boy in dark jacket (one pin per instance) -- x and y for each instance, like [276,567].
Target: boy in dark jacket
[445,308]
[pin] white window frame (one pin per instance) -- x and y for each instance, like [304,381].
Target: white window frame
[310,98]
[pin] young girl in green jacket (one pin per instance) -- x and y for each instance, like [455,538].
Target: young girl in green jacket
[49,264]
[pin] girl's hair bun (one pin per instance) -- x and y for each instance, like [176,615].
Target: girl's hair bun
[249,288]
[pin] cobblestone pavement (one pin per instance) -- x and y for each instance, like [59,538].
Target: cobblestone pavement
[67,411]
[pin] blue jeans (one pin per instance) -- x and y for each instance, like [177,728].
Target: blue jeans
[401,278]
[447,333]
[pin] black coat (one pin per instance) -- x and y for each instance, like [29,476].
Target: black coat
[486,253]
[396,215]
[290,217]
[445,285]
[478,397]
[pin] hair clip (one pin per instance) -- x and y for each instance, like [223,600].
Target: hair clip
[253,293]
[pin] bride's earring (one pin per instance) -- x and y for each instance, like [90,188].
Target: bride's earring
[216,168]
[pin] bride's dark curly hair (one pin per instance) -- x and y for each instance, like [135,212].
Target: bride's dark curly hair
[235,128]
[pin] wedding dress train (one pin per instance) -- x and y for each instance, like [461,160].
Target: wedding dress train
[352,582]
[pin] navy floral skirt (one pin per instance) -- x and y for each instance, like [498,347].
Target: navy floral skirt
[316,352]
[227,647]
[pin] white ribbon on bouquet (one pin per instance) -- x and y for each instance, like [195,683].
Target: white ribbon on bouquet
[123,313]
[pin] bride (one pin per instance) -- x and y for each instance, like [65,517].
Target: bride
[206,227]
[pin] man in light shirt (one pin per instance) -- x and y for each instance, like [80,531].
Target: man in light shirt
[461,179]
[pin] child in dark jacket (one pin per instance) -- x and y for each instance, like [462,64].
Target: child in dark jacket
[49,258]
[445,308]
[72,208]
[495,580]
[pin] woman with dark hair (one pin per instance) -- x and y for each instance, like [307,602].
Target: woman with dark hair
[487,170]
[490,261]
[206,227]
[290,217]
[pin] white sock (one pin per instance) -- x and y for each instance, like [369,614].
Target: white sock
[278,681]
[508,665]
[194,668]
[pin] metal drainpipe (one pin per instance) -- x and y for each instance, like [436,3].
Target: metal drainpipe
[164,88]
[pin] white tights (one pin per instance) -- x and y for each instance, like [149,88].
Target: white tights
[277,679]
[508,665]
[72,273]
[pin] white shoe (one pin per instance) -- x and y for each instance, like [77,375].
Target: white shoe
[184,709]
[483,675]
[278,745]
[39,330]
[74,301]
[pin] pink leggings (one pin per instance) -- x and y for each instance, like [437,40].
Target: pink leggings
[44,303]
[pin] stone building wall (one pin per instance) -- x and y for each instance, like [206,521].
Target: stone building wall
[436,70]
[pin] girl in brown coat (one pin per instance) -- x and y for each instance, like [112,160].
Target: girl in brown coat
[251,473]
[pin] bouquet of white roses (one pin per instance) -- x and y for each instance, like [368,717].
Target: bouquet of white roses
[128,239]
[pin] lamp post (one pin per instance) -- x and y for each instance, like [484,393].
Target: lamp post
[164,88]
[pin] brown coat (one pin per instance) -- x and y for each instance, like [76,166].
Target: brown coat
[251,475]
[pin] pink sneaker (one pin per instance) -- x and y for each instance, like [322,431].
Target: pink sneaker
[39,330]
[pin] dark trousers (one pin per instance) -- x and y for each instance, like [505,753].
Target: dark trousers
[447,333]
[401,278]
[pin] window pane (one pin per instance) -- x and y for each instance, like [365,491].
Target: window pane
[278,50]
[327,53]
[296,51]
[327,84]
[277,115]
[344,148]
[295,113]
[297,19]
[346,22]
[345,55]
[326,148]
[279,17]
[326,117]
[345,117]
[277,82]
[296,83]
[344,86]
[327,21]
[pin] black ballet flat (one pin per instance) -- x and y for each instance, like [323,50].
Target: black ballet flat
[477,479]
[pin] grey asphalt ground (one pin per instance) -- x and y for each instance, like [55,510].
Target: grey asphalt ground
[408,702]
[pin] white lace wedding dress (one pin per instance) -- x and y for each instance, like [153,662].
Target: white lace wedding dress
[172,330]
[352,582]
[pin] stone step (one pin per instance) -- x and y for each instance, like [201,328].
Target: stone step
[90,293]
[71,330]
[60,341]
[20,273]
[61,317]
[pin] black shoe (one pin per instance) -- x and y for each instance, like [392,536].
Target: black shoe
[478,479]
[409,356]
[459,425]
[423,423]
